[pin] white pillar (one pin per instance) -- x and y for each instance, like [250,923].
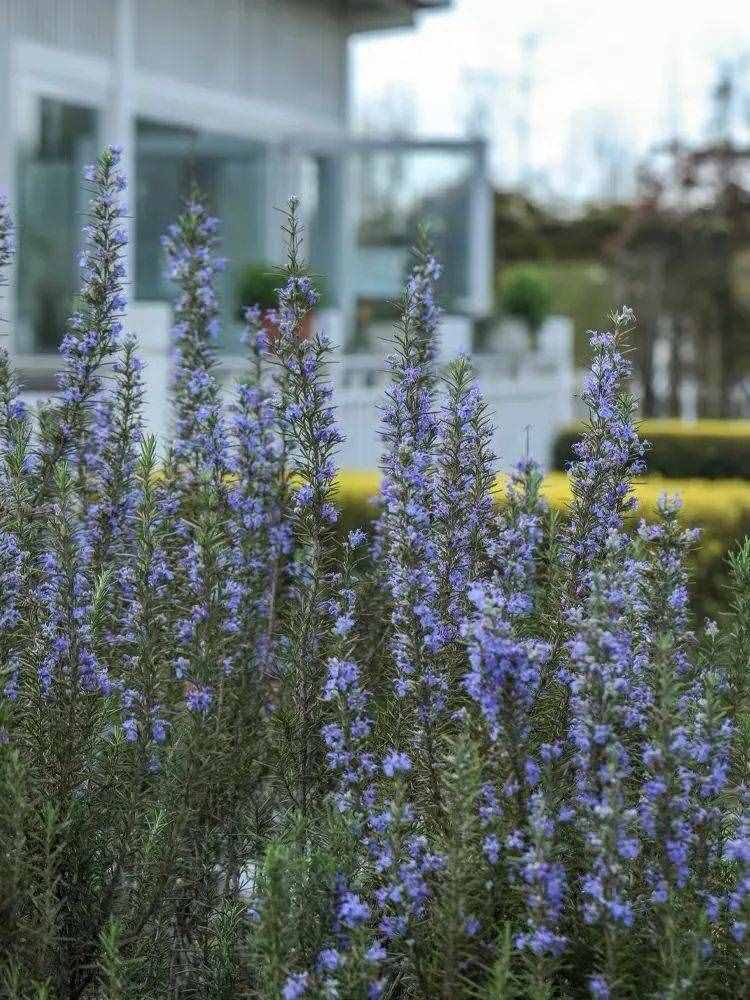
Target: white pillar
[556,346]
[454,337]
[120,115]
[7,171]
[341,175]
[282,181]
[481,262]
[330,321]
[150,322]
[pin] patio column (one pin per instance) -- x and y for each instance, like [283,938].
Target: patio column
[481,251]
[149,321]
[336,215]
[7,147]
[282,181]
[120,117]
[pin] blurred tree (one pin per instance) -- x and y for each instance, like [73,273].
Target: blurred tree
[676,261]
[569,252]
[525,230]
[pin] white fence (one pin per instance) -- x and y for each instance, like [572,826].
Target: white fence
[529,392]
[528,407]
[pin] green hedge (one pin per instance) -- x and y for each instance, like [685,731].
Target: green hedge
[705,449]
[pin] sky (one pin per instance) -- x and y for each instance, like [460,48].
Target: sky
[572,94]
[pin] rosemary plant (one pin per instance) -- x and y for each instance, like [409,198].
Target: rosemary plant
[477,752]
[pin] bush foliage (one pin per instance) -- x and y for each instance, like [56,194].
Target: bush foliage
[721,510]
[525,295]
[469,753]
[705,449]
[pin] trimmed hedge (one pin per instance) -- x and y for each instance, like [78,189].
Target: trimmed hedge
[705,449]
[720,509]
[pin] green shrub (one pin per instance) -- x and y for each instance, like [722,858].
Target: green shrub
[704,449]
[258,285]
[481,752]
[525,294]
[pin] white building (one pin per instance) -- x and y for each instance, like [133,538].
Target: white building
[250,98]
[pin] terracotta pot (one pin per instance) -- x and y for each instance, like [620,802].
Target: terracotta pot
[305,331]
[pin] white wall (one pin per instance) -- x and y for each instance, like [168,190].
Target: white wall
[85,26]
[530,398]
[289,52]
[285,51]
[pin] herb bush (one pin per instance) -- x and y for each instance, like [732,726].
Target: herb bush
[525,294]
[469,754]
[720,509]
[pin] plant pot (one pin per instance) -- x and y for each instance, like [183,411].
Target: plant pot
[305,329]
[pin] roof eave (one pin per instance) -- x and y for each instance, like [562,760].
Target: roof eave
[391,14]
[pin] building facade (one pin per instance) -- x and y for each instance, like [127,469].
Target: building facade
[250,99]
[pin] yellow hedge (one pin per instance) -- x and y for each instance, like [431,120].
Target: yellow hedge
[710,449]
[696,428]
[725,502]
[721,508]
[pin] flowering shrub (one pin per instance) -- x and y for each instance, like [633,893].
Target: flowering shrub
[467,753]
[720,508]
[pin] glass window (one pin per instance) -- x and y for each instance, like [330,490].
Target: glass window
[399,191]
[51,207]
[231,174]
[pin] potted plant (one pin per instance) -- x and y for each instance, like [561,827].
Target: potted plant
[258,285]
[525,296]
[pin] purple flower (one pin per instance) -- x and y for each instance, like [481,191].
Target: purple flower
[395,762]
[130,730]
[352,910]
[608,455]
[464,480]
[342,676]
[409,433]
[599,988]
[356,538]
[543,883]
[198,699]
[94,333]
[295,986]
[200,432]
[328,960]
[376,953]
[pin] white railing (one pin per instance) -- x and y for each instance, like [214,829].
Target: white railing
[530,393]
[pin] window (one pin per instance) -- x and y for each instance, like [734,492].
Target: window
[231,173]
[399,192]
[51,208]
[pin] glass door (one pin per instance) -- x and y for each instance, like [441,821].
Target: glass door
[371,199]
[59,140]
[230,172]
